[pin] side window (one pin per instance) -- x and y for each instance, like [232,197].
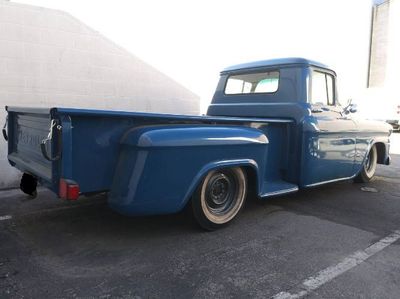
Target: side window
[329,87]
[322,88]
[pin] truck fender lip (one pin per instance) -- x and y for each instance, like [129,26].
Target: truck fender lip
[173,136]
[216,165]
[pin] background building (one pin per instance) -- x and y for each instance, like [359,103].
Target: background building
[49,58]
[192,41]
[385,44]
[381,100]
[379,43]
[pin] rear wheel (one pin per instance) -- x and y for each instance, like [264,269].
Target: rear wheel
[369,167]
[219,197]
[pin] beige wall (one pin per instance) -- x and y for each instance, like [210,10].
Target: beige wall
[392,74]
[379,43]
[381,99]
[49,58]
[385,45]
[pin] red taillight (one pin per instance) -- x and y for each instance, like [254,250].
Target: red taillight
[68,189]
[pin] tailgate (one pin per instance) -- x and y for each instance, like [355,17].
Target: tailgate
[27,128]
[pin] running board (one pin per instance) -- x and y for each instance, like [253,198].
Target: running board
[279,187]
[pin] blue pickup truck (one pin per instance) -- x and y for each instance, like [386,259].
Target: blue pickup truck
[273,127]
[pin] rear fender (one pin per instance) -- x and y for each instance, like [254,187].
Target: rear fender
[159,167]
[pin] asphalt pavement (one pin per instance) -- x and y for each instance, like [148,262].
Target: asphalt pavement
[340,240]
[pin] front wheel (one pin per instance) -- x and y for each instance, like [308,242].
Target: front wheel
[219,197]
[369,167]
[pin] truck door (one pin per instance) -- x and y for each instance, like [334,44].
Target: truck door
[328,136]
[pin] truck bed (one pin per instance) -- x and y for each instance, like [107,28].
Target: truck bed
[89,141]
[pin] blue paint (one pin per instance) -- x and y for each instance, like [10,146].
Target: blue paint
[152,163]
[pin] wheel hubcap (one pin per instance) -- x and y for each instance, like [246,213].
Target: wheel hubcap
[220,193]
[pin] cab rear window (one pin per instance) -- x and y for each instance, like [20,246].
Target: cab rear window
[265,82]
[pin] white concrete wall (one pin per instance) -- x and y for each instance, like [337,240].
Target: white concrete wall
[379,45]
[385,46]
[49,58]
[393,67]
[381,99]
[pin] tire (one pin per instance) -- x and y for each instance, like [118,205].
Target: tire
[369,167]
[219,197]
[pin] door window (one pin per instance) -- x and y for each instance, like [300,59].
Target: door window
[322,88]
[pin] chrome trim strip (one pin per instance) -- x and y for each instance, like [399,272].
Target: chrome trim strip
[280,192]
[331,181]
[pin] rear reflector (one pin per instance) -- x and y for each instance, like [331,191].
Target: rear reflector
[68,189]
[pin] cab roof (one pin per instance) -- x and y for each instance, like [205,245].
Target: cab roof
[275,62]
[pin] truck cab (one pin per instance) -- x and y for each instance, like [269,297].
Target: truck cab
[276,88]
[325,141]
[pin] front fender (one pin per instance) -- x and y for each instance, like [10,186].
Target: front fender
[364,146]
[159,167]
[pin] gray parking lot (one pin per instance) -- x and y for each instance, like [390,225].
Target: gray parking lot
[336,241]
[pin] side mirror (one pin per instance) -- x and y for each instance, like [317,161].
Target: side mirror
[353,108]
[350,107]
